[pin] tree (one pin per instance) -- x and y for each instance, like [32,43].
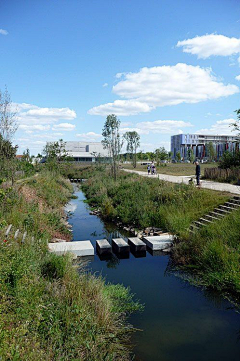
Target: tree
[8,162]
[236,125]
[133,142]
[54,153]
[160,154]
[8,122]
[112,141]
[211,152]
[178,156]
[190,155]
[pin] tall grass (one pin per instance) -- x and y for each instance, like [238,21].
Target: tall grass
[212,254]
[49,309]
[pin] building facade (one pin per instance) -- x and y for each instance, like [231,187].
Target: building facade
[198,143]
[86,151]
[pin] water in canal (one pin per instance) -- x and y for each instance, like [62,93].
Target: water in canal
[180,322]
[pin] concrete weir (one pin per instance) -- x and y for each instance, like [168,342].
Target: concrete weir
[79,248]
[158,243]
[103,247]
[120,246]
[136,244]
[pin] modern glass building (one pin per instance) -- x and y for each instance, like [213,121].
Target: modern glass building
[198,143]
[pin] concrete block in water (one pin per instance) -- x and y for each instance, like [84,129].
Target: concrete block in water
[136,244]
[103,247]
[159,242]
[120,245]
[80,248]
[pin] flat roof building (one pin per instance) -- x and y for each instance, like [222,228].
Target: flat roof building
[85,151]
[198,143]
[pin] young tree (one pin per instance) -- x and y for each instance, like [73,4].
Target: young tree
[190,155]
[8,121]
[133,142]
[112,140]
[178,156]
[236,125]
[54,153]
[160,154]
[211,152]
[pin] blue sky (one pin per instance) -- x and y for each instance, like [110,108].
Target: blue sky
[164,67]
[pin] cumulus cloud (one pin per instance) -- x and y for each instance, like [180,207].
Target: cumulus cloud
[34,127]
[89,137]
[64,126]
[212,44]
[164,85]
[238,77]
[3,32]
[105,84]
[163,126]
[121,107]
[29,114]
[221,127]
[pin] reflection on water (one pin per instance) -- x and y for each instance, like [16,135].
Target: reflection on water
[180,322]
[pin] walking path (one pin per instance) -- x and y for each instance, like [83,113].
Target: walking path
[223,187]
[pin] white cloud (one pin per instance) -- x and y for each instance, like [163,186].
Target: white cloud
[221,127]
[29,114]
[163,126]
[64,126]
[164,85]
[136,129]
[90,136]
[237,77]
[105,84]
[3,32]
[121,107]
[34,127]
[212,44]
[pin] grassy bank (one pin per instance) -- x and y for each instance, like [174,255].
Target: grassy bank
[49,309]
[212,255]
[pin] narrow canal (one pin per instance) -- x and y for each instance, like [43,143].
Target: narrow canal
[180,322]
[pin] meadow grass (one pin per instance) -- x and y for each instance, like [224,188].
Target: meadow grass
[49,309]
[212,254]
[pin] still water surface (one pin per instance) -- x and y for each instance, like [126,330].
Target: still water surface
[180,322]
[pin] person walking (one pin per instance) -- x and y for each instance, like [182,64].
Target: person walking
[148,169]
[198,171]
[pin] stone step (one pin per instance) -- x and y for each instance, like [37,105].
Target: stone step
[222,211]
[78,248]
[233,205]
[120,245]
[211,218]
[235,201]
[237,198]
[136,244]
[226,208]
[103,247]
[204,220]
[159,242]
[216,214]
[199,224]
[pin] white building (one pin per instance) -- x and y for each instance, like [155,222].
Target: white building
[86,151]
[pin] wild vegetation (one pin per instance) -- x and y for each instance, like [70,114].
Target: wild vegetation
[212,254]
[49,310]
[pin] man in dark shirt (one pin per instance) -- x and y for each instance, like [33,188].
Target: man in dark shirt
[198,173]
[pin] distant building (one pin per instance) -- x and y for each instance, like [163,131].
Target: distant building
[86,151]
[222,143]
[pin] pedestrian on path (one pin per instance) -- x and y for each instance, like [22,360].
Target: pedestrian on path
[198,171]
[148,169]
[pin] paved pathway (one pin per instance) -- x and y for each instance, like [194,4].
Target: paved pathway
[224,187]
